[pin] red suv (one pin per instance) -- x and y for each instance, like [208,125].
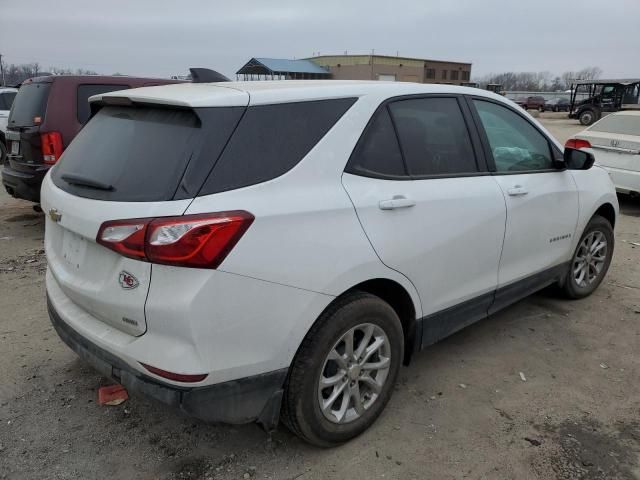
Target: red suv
[46,115]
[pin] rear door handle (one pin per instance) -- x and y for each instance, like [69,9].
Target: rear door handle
[517,191]
[398,201]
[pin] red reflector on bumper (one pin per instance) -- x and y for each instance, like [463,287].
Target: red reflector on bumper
[176,377]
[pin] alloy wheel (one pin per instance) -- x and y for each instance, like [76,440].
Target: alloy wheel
[590,259]
[354,373]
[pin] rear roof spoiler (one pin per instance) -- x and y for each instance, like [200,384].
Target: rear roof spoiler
[206,75]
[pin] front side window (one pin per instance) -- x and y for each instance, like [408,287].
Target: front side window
[515,144]
[433,136]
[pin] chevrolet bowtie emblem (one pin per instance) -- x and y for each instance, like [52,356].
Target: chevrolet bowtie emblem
[54,215]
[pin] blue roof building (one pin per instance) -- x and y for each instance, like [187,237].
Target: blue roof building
[281,69]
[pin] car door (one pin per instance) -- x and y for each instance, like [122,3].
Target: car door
[419,185]
[541,199]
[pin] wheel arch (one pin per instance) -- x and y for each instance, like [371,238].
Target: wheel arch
[402,302]
[607,211]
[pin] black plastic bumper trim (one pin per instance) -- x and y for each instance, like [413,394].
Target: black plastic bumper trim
[237,401]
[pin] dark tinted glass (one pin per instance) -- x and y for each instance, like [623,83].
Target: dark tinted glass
[272,139]
[86,91]
[377,152]
[433,136]
[515,143]
[6,100]
[30,102]
[143,153]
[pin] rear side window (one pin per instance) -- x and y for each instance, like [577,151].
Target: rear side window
[30,105]
[378,153]
[433,136]
[139,154]
[86,91]
[271,139]
[6,99]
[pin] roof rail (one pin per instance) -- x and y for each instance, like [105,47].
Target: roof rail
[206,75]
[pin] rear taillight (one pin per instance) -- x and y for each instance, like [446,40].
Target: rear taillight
[197,241]
[577,143]
[51,147]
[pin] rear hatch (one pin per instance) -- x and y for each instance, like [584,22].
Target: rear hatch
[130,161]
[23,127]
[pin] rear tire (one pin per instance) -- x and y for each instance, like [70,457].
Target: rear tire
[591,259]
[326,373]
[587,117]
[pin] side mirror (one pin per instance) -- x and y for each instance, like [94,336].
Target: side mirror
[578,159]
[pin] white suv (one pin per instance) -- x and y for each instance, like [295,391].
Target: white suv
[249,250]
[7,95]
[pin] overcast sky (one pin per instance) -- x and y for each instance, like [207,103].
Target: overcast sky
[160,38]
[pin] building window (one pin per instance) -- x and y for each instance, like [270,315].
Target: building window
[444,74]
[431,73]
[454,75]
[465,75]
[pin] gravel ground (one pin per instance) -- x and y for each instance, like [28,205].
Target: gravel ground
[462,409]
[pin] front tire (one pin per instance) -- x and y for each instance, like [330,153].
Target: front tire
[344,372]
[591,259]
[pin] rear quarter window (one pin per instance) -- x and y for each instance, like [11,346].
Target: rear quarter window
[86,91]
[271,139]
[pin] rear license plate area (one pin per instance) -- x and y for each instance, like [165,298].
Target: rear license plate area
[73,249]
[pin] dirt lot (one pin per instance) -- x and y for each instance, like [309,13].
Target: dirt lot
[461,409]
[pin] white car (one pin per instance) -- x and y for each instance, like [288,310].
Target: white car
[7,95]
[245,250]
[615,142]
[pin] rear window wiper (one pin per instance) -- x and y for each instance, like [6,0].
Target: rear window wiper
[82,181]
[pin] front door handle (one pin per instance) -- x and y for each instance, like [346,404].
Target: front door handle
[398,201]
[517,191]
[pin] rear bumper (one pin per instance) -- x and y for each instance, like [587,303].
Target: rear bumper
[23,184]
[255,398]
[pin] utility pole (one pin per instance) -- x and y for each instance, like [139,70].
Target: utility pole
[2,71]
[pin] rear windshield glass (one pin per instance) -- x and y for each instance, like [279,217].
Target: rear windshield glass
[130,154]
[622,124]
[30,105]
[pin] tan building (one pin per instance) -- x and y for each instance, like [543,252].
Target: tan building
[403,69]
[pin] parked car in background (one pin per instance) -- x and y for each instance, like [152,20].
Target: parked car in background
[409,211]
[559,104]
[6,100]
[615,142]
[531,103]
[46,115]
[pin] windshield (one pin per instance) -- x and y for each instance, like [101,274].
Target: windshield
[30,105]
[621,124]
